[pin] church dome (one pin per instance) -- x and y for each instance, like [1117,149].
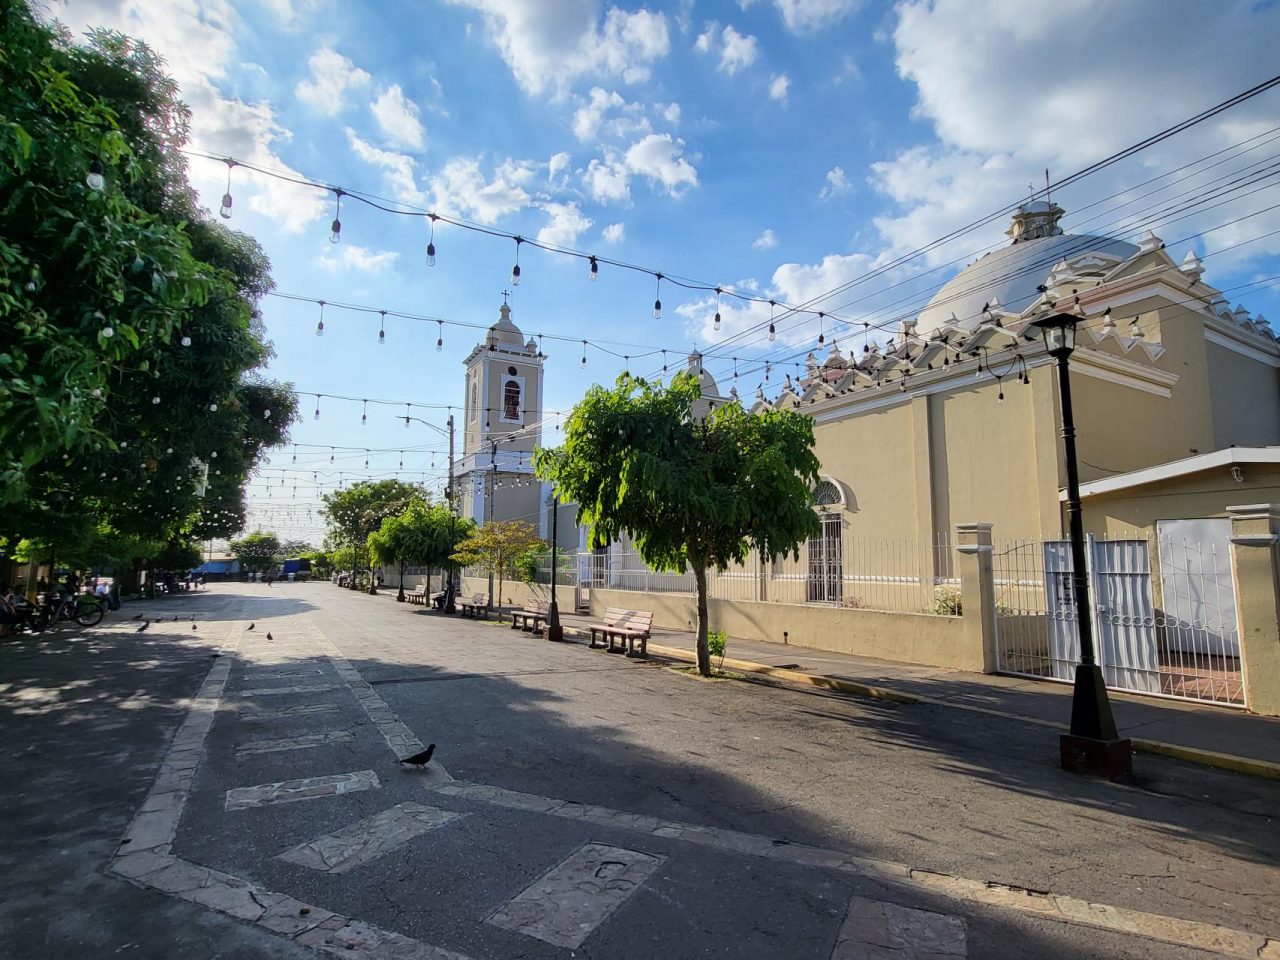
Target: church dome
[504,331]
[1012,275]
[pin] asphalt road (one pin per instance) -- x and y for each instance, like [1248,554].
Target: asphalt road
[579,805]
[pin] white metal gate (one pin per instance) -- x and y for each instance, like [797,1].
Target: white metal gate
[826,563]
[1166,633]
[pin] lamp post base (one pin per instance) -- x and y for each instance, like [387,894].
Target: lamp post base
[554,630]
[1112,759]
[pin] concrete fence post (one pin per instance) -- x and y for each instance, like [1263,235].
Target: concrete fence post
[977,593]
[1255,532]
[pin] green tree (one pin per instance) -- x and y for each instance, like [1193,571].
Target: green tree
[256,552]
[126,375]
[353,514]
[178,555]
[421,534]
[494,547]
[690,493]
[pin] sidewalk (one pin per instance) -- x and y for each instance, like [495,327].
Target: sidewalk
[1217,736]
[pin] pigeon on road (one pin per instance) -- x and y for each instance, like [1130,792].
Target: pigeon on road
[420,759]
[145,624]
[269,637]
[194,627]
[251,626]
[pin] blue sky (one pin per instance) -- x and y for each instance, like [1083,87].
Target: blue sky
[778,146]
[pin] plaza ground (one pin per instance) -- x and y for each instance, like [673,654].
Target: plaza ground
[579,805]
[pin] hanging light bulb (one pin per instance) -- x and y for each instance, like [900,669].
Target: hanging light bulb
[266,414]
[515,271]
[364,413]
[213,408]
[317,413]
[108,332]
[664,361]
[225,210]
[96,178]
[773,329]
[431,242]
[155,400]
[715,324]
[320,322]
[1135,331]
[1000,396]
[335,228]
[822,337]
[185,341]
[583,363]
[657,300]
[382,329]
[439,335]
[594,270]
[1108,323]
[331,454]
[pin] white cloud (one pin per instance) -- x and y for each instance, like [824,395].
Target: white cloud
[992,137]
[550,46]
[461,188]
[332,75]
[614,233]
[659,157]
[348,256]
[737,51]
[397,117]
[398,169]
[778,87]
[766,241]
[564,225]
[607,180]
[837,185]
[806,16]
[670,112]
[558,163]
[196,38]
[606,114]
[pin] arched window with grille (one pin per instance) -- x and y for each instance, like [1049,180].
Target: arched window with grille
[826,551]
[511,396]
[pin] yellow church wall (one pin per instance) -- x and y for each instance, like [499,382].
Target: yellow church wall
[873,455]
[986,469]
[1245,399]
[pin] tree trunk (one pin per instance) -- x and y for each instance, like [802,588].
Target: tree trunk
[400,595]
[498,600]
[704,654]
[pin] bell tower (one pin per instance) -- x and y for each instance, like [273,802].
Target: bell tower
[501,425]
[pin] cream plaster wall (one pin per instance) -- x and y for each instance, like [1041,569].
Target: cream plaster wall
[903,637]
[1246,399]
[1206,494]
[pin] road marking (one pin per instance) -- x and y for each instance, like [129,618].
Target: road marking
[402,741]
[1224,941]
[368,839]
[274,691]
[570,900]
[294,743]
[308,788]
[305,710]
[271,675]
[887,931]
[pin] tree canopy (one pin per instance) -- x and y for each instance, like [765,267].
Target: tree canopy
[128,391]
[256,552]
[689,492]
[354,513]
[421,534]
[495,547]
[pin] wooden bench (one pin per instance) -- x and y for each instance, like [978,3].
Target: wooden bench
[625,627]
[475,607]
[418,594]
[531,616]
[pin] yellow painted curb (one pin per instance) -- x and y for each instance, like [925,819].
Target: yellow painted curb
[1211,758]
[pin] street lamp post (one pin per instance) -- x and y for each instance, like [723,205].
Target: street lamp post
[1092,746]
[554,630]
[449,492]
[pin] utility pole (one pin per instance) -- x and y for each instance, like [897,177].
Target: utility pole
[488,506]
[449,493]
[554,630]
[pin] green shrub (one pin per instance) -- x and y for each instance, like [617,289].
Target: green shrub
[717,640]
[947,602]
